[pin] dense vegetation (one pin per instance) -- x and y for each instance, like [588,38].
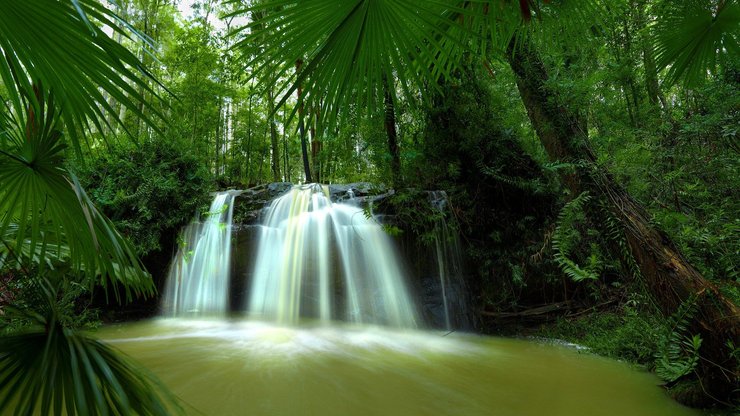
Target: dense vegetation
[589,151]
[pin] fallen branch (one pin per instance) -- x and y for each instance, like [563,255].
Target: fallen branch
[540,310]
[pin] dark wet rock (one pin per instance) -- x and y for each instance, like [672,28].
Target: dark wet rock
[362,192]
[249,204]
[244,242]
[419,257]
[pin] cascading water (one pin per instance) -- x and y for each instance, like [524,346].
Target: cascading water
[328,261]
[331,262]
[198,283]
[447,253]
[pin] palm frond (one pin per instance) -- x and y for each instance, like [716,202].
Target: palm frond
[49,369]
[45,213]
[692,36]
[347,48]
[57,45]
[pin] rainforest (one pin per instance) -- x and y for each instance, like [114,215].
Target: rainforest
[370,207]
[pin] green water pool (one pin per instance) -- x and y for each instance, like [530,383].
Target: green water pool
[249,368]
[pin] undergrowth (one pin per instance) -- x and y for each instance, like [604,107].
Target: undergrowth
[626,333]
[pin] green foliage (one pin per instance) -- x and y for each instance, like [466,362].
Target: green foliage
[685,170]
[31,292]
[148,190]
[693,35]
[476,148]
[566,235]
[414,212]
[52,368]
[631,333]
[678,352]
[76,59]
[534,186]
[635,332]
[349,48]
[61,84]
[46,218]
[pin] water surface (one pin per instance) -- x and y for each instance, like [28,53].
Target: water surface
[249,368]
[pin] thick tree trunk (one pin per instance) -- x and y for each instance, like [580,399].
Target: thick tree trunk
[666,273]
[391,133]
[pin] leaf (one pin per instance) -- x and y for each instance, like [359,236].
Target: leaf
[40,370]
[692,37]
[346,48]
[63,51]
[45,214]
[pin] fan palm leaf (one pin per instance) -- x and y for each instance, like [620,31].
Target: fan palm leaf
[56,67]
[49,369]
[61,45]
[692,36]
[350,46]
[45,213]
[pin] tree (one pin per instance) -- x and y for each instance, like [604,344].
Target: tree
[671,279]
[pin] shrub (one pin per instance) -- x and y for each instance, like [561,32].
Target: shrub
[149,190]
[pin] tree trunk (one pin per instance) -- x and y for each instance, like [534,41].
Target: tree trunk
[275,147]
[286,154]
[248,150]
[666,273]
[390,131]
[302,129]
[217,138]
[316,147]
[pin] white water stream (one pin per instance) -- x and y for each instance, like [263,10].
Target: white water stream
[199,276]
[328,261]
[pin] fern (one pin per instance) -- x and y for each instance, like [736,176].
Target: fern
[564,236]
[532,185]
[615,234]
[678,353]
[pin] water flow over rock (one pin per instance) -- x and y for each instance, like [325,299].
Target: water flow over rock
[326,261]
[199,276]
[449,261]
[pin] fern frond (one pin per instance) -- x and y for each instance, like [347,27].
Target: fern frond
[532,185]
[561,242]
[678,353]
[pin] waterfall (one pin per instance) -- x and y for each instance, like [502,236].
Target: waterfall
[448,256]
[326,261]
[198,283]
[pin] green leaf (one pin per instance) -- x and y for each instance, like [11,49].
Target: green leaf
[52,369]
[55,45]
[45,215]
[692,37]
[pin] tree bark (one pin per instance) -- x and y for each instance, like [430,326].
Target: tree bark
[302,129]
[275,147]
[316,147]
[668,276]
[392,134]
[286,154]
